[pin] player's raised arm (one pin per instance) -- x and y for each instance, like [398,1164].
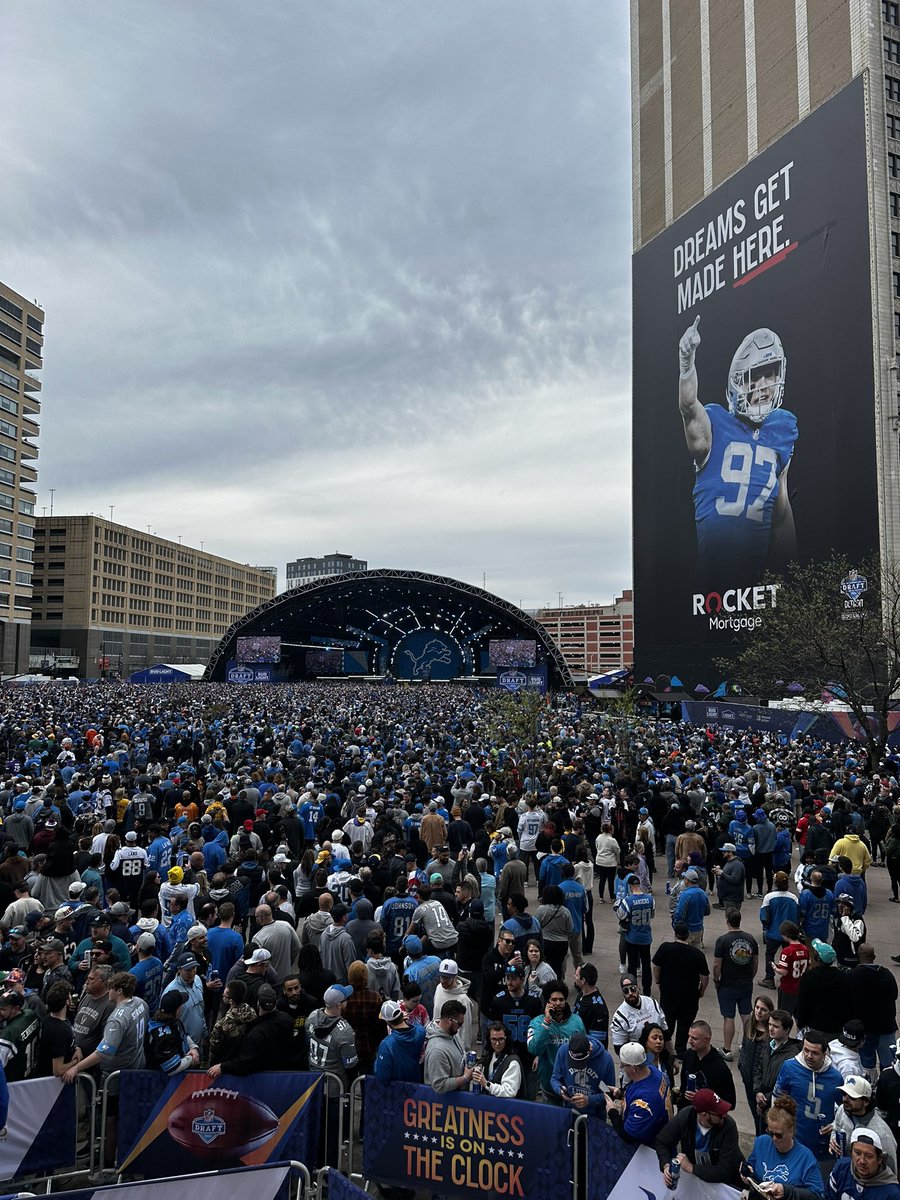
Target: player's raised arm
[697,428]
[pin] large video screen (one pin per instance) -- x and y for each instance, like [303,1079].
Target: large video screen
[266,649]
[325,662]
[753,412]
[512,652]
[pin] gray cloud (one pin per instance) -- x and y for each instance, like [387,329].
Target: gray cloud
[350,275]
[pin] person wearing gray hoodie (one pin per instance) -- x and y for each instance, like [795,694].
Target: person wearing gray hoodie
[383,976]
[362,925]
[316,923]
[336,945]
[445,1067]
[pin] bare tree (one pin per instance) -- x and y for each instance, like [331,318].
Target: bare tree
[835,627]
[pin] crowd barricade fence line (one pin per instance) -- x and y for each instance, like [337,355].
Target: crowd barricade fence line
[334,1091]
[354,1126]
[104,1111]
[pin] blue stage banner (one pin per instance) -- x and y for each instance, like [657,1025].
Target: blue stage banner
[185,1124]
[236,672]
[459,1144]
[340,1188]
[607,1158]
[40,1129]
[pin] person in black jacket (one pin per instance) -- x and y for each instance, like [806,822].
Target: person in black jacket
[267,1043]
[704,1128]
[475,939]
[706,1064]
[780,1047]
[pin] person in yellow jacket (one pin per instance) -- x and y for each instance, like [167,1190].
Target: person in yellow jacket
[852,845]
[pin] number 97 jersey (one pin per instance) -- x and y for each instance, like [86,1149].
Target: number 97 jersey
[736,488]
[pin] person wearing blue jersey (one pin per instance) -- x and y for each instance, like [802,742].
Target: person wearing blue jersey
[396,914]
[638,1114]
[635,912]
[778,906]
[816,907]
[812,1080]
[865,1171]
[741,455]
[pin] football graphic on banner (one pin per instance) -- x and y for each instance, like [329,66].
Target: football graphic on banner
[221,1122]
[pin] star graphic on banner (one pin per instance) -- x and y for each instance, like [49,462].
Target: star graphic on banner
[415,1137]
[434,1141]
[407,1134]
[501,1151]
[491,1150]
[521,1154]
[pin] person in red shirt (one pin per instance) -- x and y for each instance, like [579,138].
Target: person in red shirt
[790,963]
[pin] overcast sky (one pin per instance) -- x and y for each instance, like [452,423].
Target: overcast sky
[331,275]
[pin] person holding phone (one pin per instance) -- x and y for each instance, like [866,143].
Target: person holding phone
[779,1166]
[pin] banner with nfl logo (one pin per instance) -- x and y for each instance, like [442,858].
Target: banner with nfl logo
[185,1124]
[40,1129]
[642,1176]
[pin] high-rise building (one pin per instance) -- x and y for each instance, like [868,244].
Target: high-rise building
[21,354]
[307,570]
[112,599]
[766,217]
[593,638]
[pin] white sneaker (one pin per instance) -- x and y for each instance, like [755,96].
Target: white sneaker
[621,968]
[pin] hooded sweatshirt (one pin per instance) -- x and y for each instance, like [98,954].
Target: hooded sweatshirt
[313,928]
[814,1092]
[444,1058]
[151,925]
[851,846]
[545,1039]
[383,978]
[460,993]
[398,1055]
[882,1186]
[585,1077]
[337,951]
[360,928]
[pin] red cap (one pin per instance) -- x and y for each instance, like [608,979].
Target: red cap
[706,1101]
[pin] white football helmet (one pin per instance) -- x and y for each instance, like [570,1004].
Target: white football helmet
[756,379]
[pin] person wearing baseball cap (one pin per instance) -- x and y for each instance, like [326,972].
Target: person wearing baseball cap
[148,971]
[865,1170]
[583,1065]
[704,1139]
[266,1046]
[20,1031]
[857,1110]
[639,1112]
[330,1036]
[397,1058]
[188,982]
[453,986]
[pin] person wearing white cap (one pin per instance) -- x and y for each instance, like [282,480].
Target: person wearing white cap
[856,1110]
[638,1113]
[130,860]
[399,1052]
[864,1171]
[453,986]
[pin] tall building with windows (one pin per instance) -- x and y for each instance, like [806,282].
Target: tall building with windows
[593,638]
[307,570]
[765,197]
[112,599]
[21,354]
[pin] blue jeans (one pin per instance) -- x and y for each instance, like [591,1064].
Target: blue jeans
[880,1046]
[670,852]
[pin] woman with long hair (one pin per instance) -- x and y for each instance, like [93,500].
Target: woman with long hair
[653,1039]
[537,970]
[755,1045]
[584,873]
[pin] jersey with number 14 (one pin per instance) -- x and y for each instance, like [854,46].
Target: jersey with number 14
[736,488]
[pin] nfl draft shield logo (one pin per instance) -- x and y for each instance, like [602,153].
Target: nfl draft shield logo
[854,586]
[209,1126]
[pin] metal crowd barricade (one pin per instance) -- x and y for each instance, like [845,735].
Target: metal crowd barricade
[304,1183]
[90,1102]
[333,1104]
[100,1160]
[578,1140]
[354,1127]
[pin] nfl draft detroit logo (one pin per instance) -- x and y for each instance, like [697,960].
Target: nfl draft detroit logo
[853,586]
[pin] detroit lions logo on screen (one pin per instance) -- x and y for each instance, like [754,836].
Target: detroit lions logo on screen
[434,652]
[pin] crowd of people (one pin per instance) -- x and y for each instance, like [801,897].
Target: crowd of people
[383,881]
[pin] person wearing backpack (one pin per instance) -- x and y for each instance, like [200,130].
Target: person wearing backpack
[169,1049]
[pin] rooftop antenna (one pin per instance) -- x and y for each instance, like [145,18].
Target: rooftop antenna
[52,490]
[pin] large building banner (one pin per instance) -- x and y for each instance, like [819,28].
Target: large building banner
[463,1145]
[186,1124]
[753,392]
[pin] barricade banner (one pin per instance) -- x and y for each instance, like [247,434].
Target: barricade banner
[459,1144]
[40,1129]
[245,1183]
[642,1177]
[340,1188]
[189,1123]
[607,1159]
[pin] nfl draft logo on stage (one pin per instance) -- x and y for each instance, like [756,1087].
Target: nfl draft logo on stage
[853,586]
[209,1126]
